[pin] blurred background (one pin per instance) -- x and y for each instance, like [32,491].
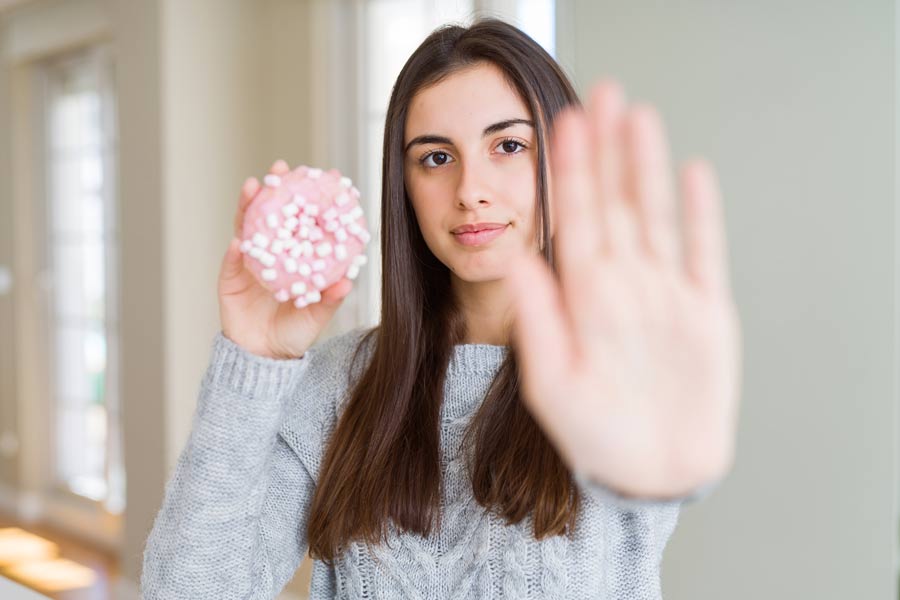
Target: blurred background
[128,126]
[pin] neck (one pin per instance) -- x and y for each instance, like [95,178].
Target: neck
[487,309]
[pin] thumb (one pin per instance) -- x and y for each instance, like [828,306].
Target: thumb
[335,294]
[539,322]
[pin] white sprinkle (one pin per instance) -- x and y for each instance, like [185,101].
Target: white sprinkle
[290,265]
[311,209]
[357,211]
[289,243]
[364,236]
[246,245]
[272,220]
[318,280]
[352,271]
[304,269]
[283,233]
[346,182]
[277,246]
[290,209]
[360,259]
[323,249]
[291,223]
[342,199]
[282,295]
[260,240]
[354,191]
[303,231]
[354,228]
[298,288]
[307,248]
[267,259]
[269,274]
[318,265]
[314,173]
[341,235]
[330,214]
[340,251]
[299,200]
[304,220]
[272,180]
[346,218]
[332,226]
[313,296]
[296,251]
[256,252]
[300,302]
[316,234]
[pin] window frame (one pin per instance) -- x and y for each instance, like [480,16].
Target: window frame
[97,57]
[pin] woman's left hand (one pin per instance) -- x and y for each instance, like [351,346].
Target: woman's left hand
[630,362]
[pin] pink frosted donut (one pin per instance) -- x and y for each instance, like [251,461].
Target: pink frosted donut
[303,232]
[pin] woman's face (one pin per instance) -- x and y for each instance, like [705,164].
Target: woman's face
[470,158]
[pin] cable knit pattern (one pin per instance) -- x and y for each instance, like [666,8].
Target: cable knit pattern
[233,519]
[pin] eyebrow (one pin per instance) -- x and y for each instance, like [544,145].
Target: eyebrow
[438,139]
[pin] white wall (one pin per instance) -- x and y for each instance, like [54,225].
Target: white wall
[794,103]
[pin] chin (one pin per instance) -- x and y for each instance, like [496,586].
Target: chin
[471,274]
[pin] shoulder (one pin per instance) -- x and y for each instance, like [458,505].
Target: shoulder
[342,356]
[328,375]
[331,368]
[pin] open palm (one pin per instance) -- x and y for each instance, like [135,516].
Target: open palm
[630,360]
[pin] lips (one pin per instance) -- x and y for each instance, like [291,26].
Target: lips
[473,227]
[480,237]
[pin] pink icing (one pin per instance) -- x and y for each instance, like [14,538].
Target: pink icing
[323,193]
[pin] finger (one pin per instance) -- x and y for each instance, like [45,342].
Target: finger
[539,325]
[337,291]
[248,192]
[232,263]
[649,179]
[706,260]
[279,167]
[607,110]
[579,234]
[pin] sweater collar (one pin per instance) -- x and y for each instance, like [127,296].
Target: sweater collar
[476,358]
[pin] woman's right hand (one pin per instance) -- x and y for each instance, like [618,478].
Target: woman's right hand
[250,315]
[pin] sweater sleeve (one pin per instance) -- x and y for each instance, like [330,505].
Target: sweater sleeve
[233,519]
[606,494]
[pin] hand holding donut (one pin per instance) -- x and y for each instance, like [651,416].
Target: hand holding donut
[299,241]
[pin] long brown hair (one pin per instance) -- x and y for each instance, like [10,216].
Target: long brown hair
[382,460]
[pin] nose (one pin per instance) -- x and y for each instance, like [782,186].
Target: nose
[473,190]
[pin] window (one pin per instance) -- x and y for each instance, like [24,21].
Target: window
[82,257]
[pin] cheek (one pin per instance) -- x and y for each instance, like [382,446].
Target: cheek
[429,222]
[427,204]
[526,210]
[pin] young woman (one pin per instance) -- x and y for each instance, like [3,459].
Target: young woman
[407,458]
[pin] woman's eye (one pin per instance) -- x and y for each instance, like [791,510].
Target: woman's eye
[510,146]
[442,161]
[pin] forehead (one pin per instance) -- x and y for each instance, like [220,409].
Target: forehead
[464,102]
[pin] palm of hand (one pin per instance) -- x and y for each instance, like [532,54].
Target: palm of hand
[631,361]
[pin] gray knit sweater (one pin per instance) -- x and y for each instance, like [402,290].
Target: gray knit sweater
[233,520]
